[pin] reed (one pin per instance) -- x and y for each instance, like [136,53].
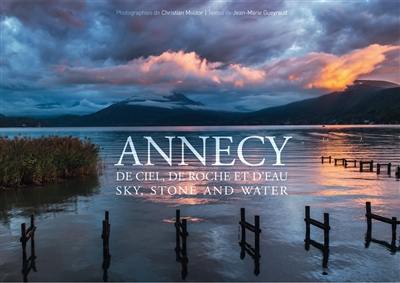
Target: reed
[38,161]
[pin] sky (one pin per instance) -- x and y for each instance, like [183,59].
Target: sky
[77,57]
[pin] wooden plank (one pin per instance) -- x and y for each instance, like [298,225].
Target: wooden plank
[316,244]
[317,223]
[381,218]
[248,226]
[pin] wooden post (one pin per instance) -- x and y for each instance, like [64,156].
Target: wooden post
[23,241]
[394,226]
[107,216]
[242,225]
[307,220]
[325,257]
[177,230]
[361,166]
[32,236]
[368,215]
[326,157]
[184,232]
[106,238]
[378,168]
[398,172]
[326,231]
[389,169]
[335,161]
[371,166]
[257,236]
[106,245]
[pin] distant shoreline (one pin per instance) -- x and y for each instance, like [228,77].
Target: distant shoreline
[205,127]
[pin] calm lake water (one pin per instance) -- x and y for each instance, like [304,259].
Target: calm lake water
[69,215]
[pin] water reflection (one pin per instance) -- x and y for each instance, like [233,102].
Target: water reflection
[105,235]
[51,199]
[392,247]
[181,235]
[28,237]
[308,241]
[245,247]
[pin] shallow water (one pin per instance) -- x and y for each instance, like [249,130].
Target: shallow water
[69,215]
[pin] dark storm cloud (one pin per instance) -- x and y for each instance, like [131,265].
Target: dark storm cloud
[58,18]
[73,53]
[347,26]
[226,39]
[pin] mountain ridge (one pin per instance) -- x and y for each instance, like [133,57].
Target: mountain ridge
[364,102]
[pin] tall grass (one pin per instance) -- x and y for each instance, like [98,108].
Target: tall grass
[38,161]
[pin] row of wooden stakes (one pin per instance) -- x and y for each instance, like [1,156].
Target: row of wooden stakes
[364,165]
[251,249]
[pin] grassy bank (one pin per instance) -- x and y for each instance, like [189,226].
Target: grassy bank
[38,161]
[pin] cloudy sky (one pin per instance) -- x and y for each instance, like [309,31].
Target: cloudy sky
[76,56]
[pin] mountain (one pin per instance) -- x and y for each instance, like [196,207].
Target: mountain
[175,100]
[359,104]
[363,102]
[136,115]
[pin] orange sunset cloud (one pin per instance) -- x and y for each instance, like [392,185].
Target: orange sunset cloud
[341,71]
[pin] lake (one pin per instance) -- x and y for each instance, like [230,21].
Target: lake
[69,214]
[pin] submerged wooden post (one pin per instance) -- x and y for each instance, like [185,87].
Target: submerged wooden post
[33,228]
[105,235]
[107,216]
[398,172]
[243,226]
[371,166]
[326,231]
[23,242]
[346,163]
[257,236]
[368,215]
[325,258]
[324,247]
[378,168]
[389,169]
[307,220]
[28,263]
[326,157]
[246,248]
[184,237]
[177,230]
[106,229]
[394,226]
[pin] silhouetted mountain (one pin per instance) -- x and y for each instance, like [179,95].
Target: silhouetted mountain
[356,105]
[134,115]
[182,99]
[363,102]
[18,122]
